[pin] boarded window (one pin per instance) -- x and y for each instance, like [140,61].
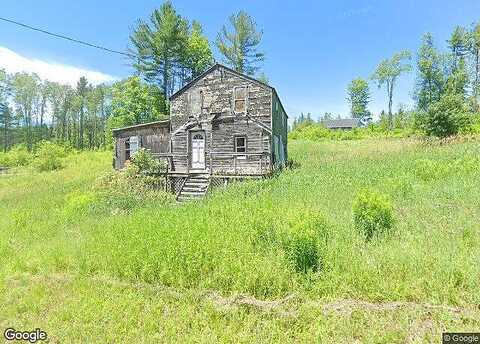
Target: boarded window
[240,99]
[195,102]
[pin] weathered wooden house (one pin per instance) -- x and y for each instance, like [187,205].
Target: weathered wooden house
[222,125]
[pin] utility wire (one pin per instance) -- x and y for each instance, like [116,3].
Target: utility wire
[68,38]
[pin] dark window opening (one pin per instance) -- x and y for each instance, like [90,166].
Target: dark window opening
[240,144]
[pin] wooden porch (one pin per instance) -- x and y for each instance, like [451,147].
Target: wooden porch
[232,165]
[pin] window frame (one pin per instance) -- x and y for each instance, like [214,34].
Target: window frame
[128,146]
[245,100]
[236,146]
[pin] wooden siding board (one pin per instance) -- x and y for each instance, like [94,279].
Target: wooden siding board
[217,88]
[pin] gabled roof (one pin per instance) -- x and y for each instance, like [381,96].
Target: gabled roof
[341,123]
[211,69]
[216,66]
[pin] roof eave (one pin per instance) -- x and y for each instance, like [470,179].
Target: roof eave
[116,130]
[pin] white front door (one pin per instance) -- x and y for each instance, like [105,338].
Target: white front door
[197,144]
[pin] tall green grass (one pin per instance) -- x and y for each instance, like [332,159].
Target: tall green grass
[292,233]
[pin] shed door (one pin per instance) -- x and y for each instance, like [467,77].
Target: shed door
[197,144]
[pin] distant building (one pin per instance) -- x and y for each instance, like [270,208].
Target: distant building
[342,123]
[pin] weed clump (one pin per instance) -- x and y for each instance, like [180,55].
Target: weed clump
[372,213]
[49,156]
[146,164]
[16,157]
[429,170]
[302,237]
[137,184]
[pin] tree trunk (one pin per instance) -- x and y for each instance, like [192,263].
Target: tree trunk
[5,133]
[477,72]
[80,138]
[390,101]
[42,113]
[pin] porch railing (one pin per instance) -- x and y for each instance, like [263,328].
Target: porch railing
[236,161]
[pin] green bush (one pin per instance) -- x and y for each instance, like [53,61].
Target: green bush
[147,164]
[79,202]
[16,157]
[49,156]
[304,240]
[126,190]
[447,117]
[301,234]
[372,213]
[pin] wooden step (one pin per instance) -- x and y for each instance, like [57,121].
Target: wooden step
[196,183]
[192,193]
[194,188]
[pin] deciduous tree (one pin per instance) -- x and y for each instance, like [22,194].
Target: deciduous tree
[358,97]
[387,73]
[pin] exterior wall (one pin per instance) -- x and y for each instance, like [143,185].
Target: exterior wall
[154,137]
[216,117]
[279,131]
[222,148]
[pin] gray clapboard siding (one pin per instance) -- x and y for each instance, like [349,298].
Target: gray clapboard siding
[208,104]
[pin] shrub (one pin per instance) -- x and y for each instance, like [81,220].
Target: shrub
[77,202]
[372,213]
[147,164]
[446,117]
[16,157]
[125,190]
[49,156]
[301,234]
[303,241]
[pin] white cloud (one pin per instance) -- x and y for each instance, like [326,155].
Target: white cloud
[13,63]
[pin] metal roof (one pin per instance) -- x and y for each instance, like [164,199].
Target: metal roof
[341,123]
[167,122]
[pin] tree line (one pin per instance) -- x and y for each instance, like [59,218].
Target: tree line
[167,51]
[446,90]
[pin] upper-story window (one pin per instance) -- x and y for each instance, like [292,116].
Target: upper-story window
[240,99]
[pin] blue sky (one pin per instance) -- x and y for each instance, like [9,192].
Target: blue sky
[313,48]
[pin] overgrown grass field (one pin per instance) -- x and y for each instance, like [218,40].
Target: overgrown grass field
[221,270]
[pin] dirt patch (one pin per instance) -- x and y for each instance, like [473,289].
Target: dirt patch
[348,306]
[250,302]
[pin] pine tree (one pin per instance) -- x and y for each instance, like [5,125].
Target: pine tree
[430,79]
[458,44]
[239,46]
[160,46]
